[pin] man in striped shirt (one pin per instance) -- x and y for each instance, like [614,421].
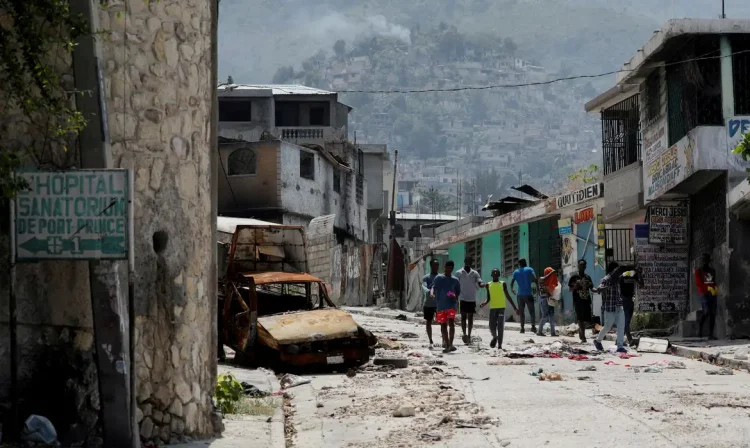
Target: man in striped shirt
[614,314]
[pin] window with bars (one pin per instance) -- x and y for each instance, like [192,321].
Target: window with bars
[741,73]
[474,251]
[511,250]
[621,135]
[694,89]
[336,181]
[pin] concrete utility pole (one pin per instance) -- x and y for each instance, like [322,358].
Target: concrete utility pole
[113,332]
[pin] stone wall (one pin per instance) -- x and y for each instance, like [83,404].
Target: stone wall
[158,70]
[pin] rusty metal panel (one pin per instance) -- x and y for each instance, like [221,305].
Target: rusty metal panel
[263,278]
[268,248]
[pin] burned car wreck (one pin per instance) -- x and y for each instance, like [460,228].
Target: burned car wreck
[274,314]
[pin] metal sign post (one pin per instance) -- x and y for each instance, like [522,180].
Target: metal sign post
[12,324]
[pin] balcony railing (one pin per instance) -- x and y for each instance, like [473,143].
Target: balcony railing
[297,133]
[621,135]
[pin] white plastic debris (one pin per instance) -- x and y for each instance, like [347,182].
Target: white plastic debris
[39,429]
[405,411]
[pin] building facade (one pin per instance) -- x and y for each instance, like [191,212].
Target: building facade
[668,130]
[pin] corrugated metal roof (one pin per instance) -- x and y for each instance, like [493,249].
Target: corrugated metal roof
[227,224]
[425,217]
[278,89]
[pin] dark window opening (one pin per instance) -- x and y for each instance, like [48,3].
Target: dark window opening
[234,109]
[653,96]
[287,113]
[694,89]
[741,74]
[336,181]
[621,135]
[317,116]
[360,189]
[307,165]
[360,162]
[511,250]
[241,162]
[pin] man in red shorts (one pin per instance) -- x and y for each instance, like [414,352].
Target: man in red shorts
[445,291]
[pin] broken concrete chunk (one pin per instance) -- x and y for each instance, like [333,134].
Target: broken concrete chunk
[722,371]
[288,380]
[649,345]
[405,411]
[388,344]
[676,365]
[742,354]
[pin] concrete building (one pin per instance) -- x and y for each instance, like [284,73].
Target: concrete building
[286,158]
[150,110]
[668,129]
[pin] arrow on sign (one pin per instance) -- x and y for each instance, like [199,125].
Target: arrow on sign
[56,245]
[34,245]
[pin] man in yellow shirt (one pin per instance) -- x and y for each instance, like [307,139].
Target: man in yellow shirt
[497,295]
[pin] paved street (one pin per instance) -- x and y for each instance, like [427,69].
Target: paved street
[455,405]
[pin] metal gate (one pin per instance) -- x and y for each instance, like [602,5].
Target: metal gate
[617,246]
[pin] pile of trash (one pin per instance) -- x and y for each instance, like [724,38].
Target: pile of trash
[557,349]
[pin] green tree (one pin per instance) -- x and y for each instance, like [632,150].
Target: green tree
[743,149]
[435,201]
[34,37]
[583,176]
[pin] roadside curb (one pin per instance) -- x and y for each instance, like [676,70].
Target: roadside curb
[690,352]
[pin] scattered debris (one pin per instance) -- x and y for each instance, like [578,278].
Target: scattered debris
[569,330]
[676,365]
[445,420]
[578,357]
[388,344]
[400,363]
[252,391]
[408,335]
[431,437]
[435,362]
[319,405]
[742,354]
[405,411]
[587,369]
[653,409]
[653,369]
[650,345]
[351,373]
[288,380]
[628,355]
[611,363]
[550,377]
[584,378]
[722,371]
[506,362]
[401,317]
[529,341]
[39,429]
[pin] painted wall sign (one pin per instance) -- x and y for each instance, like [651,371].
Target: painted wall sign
[665,275]
[583,215]
[668,168]
[736,128]
[73,215]
[586,193]
[565,226]
[668,225]
[655,140]
[569,251]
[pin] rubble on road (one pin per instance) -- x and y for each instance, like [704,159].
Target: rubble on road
[388,344]
[405,411]
[288,380]
[722,371]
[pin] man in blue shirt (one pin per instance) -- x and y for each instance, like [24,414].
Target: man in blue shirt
[524,276]
[445,290]
[428,303]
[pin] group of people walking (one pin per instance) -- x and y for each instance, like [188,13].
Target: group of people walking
[450,292]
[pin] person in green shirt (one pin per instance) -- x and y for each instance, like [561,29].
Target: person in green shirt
[497,295]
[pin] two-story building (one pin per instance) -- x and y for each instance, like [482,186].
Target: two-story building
[668,129]
[285,158]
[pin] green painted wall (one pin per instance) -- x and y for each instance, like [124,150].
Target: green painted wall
[523,241]
[456,253]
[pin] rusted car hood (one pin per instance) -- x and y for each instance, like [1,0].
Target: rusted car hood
[306,326]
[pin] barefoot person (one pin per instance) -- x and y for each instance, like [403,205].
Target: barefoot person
[471,281]
[428,302]
[445,290]
[497,295]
